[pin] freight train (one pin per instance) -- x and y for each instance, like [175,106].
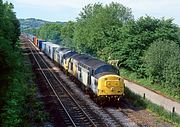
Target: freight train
[100,79]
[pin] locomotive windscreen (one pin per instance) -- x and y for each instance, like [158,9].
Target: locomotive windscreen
[106,68]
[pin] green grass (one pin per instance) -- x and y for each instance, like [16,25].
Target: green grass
[139,102]
[148,83]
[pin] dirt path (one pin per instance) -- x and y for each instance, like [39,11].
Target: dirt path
[160,100]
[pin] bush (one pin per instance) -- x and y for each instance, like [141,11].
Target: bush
[171,72]
[161,62]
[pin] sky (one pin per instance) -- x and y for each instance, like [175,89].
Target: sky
[65,10]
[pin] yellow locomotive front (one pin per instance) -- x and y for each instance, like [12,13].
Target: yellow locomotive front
[110,86]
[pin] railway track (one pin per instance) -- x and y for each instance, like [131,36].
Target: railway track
[73,110]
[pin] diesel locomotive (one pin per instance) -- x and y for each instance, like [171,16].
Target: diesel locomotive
[100,79]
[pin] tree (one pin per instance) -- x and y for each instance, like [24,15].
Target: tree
[171,71]
[98,27]
[161,62]
[10,27]
[50,32]
[138,35]
[67,34]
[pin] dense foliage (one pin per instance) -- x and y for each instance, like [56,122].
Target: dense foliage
[162,64]
[67,34]
[9,26]
[98,29]
[110,33]
[138,35]
[48,32]
[17,100]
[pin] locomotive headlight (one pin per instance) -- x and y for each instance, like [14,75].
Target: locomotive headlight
[107,84]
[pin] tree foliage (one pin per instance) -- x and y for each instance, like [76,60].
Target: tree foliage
[14,74]
[50,32]
[138,35]
[9,26]
[98,27]
[171,72]
[67,34]
[162,63]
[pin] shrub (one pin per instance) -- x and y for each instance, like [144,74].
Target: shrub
[160,61]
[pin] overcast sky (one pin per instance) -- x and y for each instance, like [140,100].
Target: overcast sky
[65,10]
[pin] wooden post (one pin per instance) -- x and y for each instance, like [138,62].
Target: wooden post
[144,96]
[173,111]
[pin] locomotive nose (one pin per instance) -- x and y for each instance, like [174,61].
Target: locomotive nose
[111,85]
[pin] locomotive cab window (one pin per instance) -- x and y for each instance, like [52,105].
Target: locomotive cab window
[106,68]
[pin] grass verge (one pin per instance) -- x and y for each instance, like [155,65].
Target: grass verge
[138,101]
[148,83]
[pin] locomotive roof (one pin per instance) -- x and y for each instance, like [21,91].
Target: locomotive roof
[89,61]
[94,63]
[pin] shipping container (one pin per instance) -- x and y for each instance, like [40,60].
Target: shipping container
[35,40]
[40,43]
[50,49]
